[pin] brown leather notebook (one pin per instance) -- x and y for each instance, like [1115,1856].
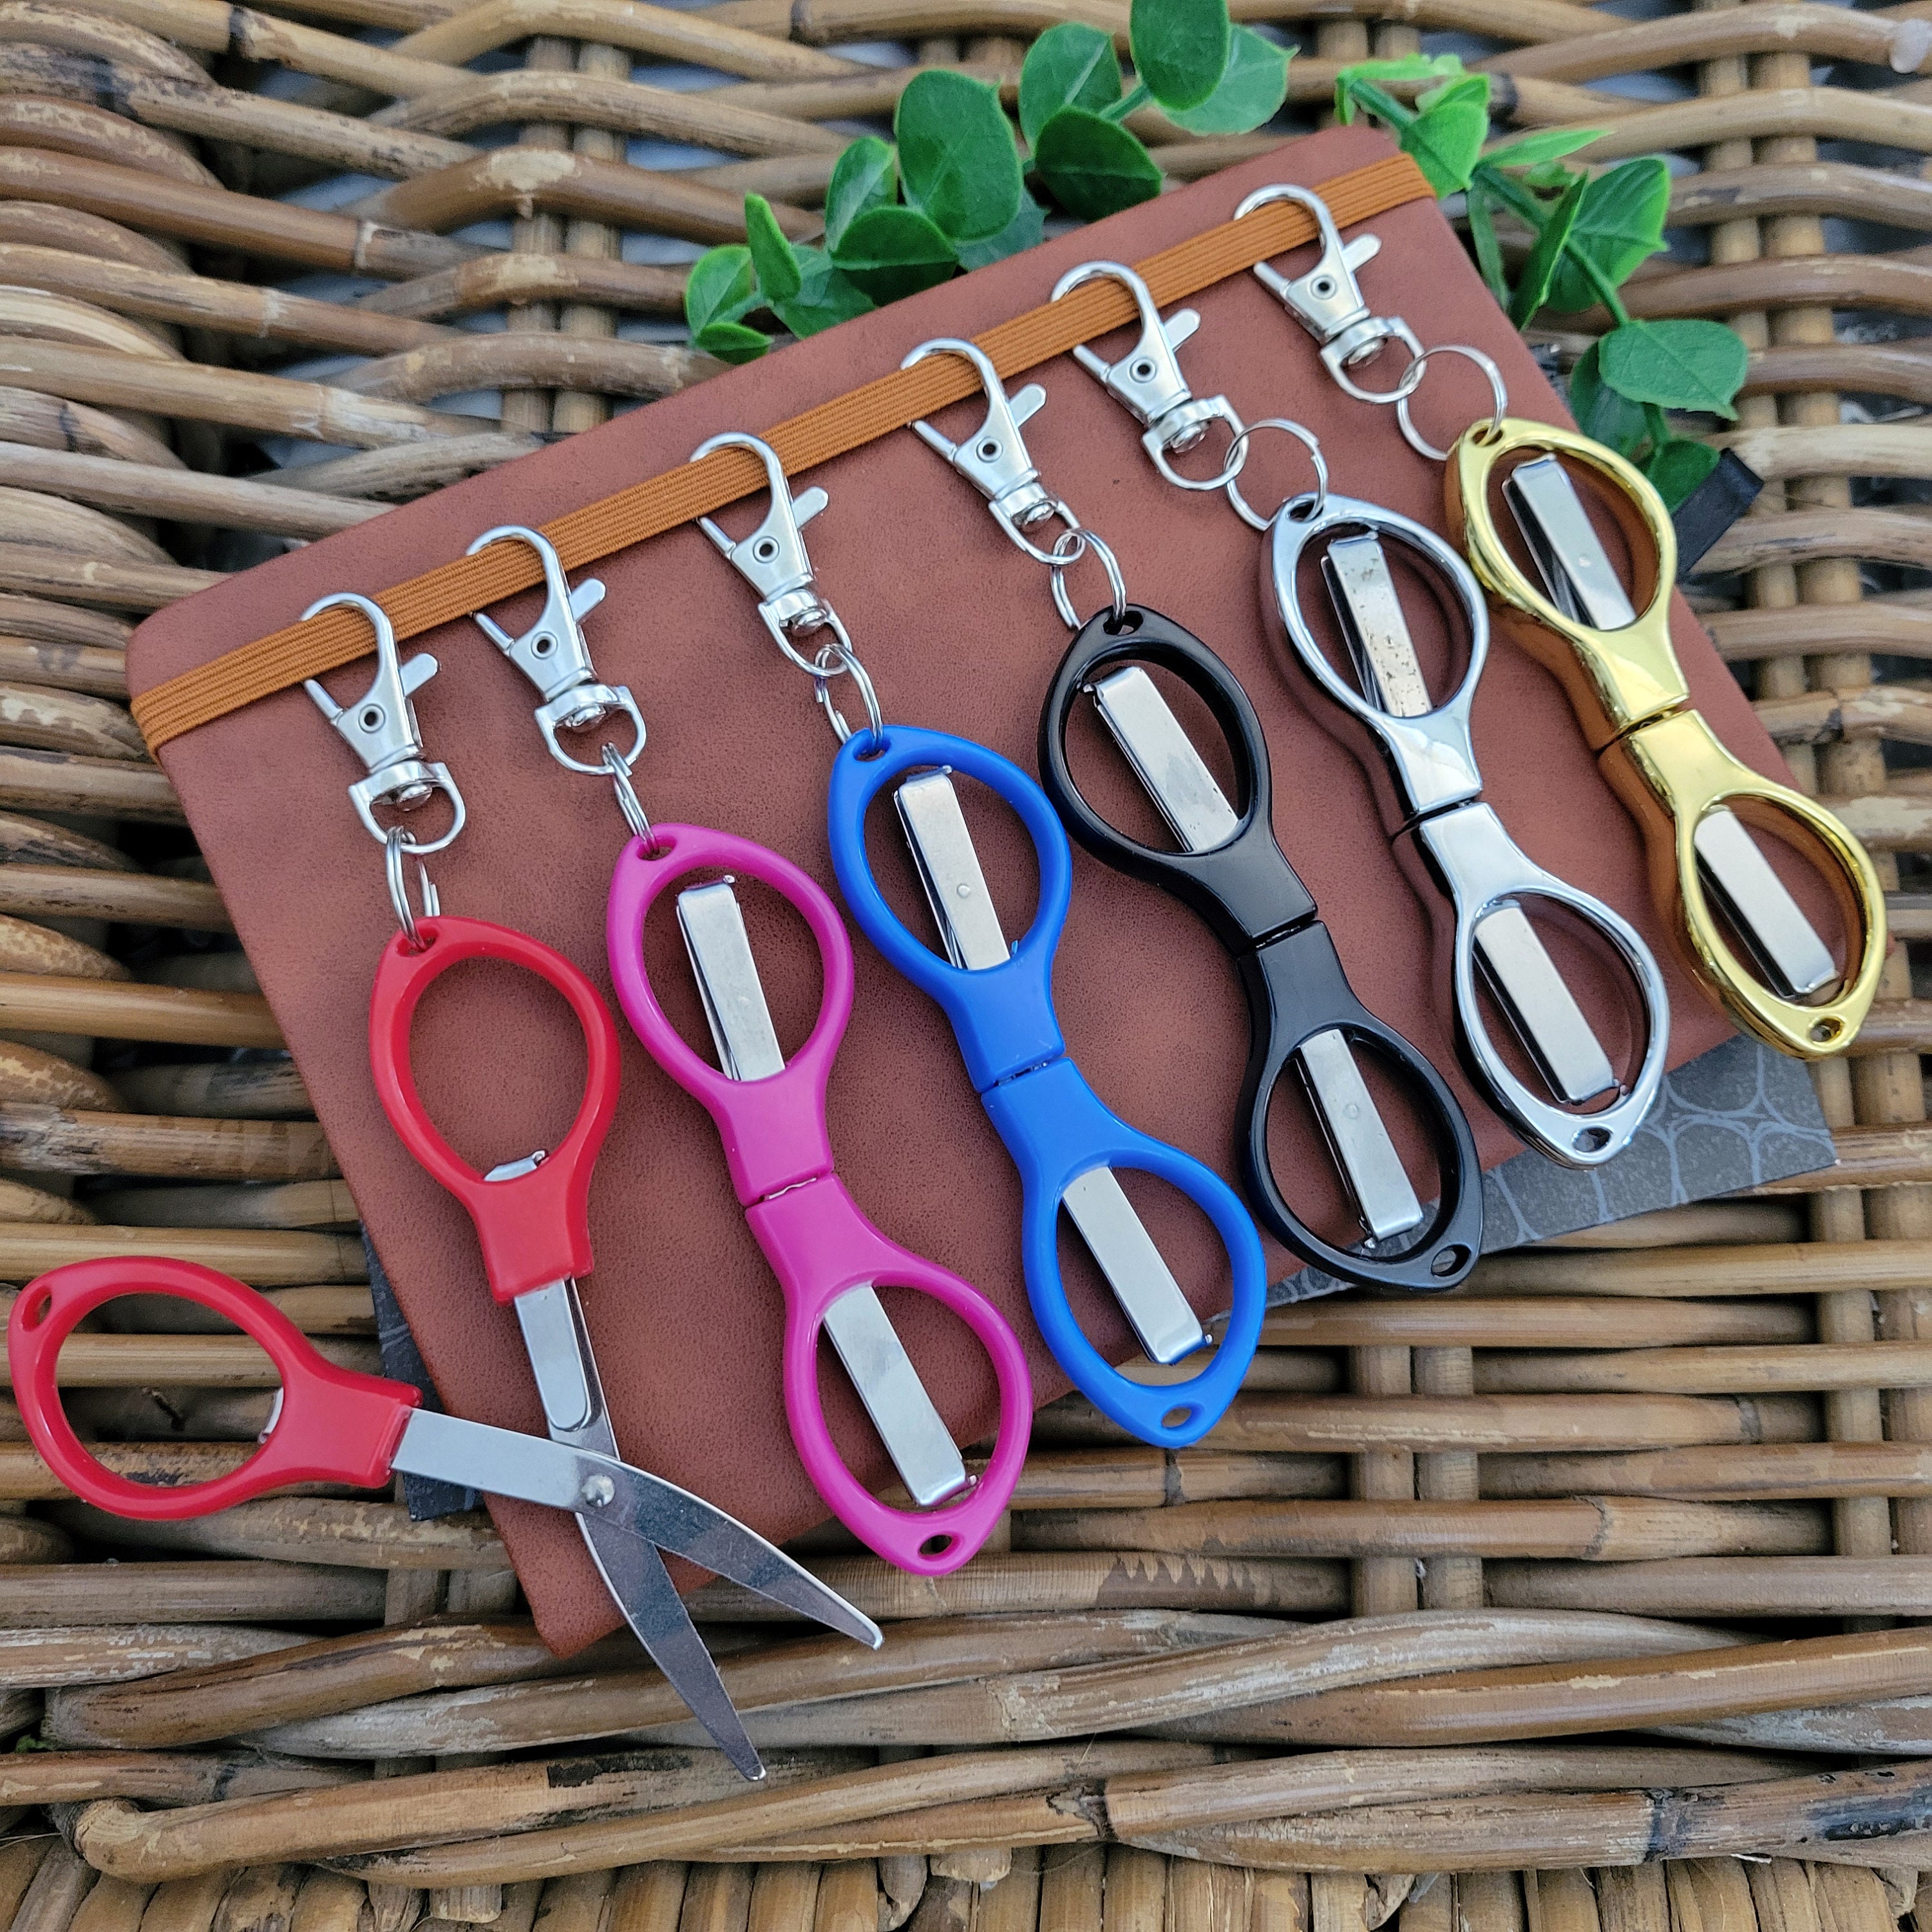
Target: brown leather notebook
[956,627]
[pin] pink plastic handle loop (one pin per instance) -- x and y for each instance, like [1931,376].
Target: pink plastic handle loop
[819,1243]
[534,1229]
[333,1426]
[773,1130]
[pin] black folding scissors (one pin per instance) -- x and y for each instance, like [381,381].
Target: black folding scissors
[1301,1008]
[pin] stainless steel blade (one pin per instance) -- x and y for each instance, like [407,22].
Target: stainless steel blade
[552,1319]
[506,1463]
[969,924]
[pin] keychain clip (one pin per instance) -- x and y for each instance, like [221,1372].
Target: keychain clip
[1328,301]
[995,460]
[773,559]
[555,656]
[381,729]
[1148,383]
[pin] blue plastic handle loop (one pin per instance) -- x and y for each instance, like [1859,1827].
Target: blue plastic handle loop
[1055,1126]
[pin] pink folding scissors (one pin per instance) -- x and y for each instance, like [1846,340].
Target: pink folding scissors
[828,1257]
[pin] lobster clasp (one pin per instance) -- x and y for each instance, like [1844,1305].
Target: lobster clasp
[994,461]
[773,559]
[381,729]
[1148,383]
[1328,301]
[554,654]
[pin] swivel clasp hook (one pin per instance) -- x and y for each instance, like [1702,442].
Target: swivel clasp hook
[381,729]
[995,460]
[1328,301]
[554,654]
[1148,382]
[773,559]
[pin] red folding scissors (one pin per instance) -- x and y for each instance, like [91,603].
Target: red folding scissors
[331,1425]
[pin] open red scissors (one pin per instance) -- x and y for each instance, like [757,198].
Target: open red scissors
[331,1425]
[532,1224]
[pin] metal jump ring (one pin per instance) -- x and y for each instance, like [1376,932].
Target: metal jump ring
[396,845]
[629,803]
[843,658]
[1063,558]
[1242,508]
[1498,392]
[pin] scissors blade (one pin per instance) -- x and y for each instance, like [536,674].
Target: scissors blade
[505,1463]
[558,1346]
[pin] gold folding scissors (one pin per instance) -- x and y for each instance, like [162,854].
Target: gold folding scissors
[1691,796]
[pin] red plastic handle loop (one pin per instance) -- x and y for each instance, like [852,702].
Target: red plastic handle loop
[334,1426]
[774,1129]
[535,1228]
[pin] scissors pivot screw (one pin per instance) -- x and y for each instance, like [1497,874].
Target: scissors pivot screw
[599,1492]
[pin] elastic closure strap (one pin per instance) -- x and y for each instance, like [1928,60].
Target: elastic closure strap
[469,583]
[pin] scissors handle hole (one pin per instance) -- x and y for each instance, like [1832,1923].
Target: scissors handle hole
[1125,625]
[39,1306]
[519,1093]
[1591,1140]
[937,1545]
[1825,1031]
[1180,1417]
[1451,1260]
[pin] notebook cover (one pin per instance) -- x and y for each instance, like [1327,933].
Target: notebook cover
[957,630]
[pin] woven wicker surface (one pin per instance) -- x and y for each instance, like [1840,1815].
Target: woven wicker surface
[1644,1657]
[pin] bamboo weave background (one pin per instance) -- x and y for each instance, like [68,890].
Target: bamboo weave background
[261,272]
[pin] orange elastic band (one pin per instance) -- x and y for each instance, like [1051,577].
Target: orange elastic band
[647,509]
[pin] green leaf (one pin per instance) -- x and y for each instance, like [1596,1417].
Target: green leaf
[1548,144]
[1253,85]
[1070,65]
[866,175]
[1446,138]
[1024,231]
[891,252]
[731,341]
[1350,94]
[1483,233]
[826,295]
[1680,365]
[1091,167]
[1601,413]
[1354,85]
[1180,48]
[772,257]
[723,286]
[1545,253]
[1678,467]
[1620,224]
[957,158]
